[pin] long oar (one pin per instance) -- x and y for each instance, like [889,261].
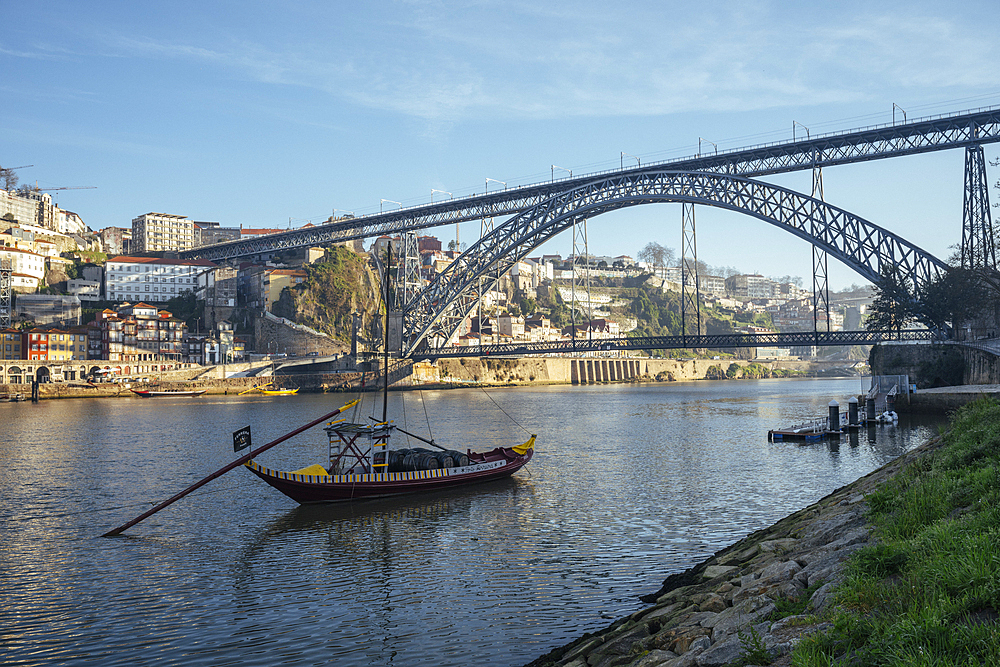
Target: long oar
[222,471]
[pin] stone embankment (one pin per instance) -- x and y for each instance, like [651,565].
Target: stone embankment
[768,591]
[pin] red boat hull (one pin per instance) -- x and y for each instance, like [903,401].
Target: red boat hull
[146,393]
[496,464]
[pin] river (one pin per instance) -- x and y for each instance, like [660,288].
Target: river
[629,483]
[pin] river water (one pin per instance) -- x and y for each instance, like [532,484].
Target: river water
[629,484]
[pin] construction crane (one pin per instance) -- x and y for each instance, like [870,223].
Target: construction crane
[70,187]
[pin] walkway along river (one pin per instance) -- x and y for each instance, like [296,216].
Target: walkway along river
[630,484]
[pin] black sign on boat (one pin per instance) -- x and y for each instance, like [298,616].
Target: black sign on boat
[241,439]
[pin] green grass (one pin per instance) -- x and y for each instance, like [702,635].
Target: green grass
[928,593]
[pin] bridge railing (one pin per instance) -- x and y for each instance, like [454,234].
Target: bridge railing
[714,342]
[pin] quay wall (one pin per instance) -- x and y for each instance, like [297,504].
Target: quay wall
[585,370]
[936,364]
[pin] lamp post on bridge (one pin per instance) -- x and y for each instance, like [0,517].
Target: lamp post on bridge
[894,107]
[503,183]
[555,166]
[707,142]
[638,162]
[794,123]
[383,201]
[444,192]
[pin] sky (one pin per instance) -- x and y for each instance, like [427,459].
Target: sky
[278,114]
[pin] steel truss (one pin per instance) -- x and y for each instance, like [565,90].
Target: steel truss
[865,247]
[978,243]
[5,293]
[860,145]
[714,342]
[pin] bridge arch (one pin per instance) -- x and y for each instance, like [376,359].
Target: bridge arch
[858,243]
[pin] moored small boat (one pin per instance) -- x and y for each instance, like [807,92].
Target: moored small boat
[357,470]
[149,393]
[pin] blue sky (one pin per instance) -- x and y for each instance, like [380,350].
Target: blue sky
[258,113]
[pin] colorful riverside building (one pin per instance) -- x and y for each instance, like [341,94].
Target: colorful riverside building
[10,344]
[139,332]
[51,344]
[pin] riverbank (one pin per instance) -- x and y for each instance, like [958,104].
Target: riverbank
[794,587]
[453,373]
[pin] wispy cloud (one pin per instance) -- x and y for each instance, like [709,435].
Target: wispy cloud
[510,61]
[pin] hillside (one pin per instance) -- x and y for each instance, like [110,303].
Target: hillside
[336,288]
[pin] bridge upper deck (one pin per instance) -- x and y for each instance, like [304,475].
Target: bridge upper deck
[921,135]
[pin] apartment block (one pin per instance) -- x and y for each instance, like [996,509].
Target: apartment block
[157,232]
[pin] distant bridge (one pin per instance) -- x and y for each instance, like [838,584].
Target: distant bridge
[712,342]
[959,130]
[538,212]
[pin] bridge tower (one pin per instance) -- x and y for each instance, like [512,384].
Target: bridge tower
[690,288]
[580,246]
[820,262]
[978,242]
[5,307]
[411,269]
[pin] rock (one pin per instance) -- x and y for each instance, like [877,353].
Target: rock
[740,615]
[713,571]
[825,530]
[619,645]
[721,653]
[856,536]
[714,603]
[700,644]
[654,658]
[782,571]
[656,612]
[689,659]
[783,545]
[821,599]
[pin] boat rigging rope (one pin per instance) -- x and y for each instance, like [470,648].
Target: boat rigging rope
[504,411]
[426,418]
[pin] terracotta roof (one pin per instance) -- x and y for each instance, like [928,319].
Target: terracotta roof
[158,260]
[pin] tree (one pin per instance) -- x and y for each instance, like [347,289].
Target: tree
[9,178]
[894,305]
[657,255]
[958,296]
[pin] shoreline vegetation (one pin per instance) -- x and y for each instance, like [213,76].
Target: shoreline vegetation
[901,567]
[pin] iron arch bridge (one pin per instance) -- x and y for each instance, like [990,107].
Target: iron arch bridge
[439,309]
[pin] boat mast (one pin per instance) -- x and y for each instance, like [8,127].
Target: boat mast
[385,387]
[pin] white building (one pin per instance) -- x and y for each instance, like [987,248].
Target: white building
[85,290]
[27,267]
[150,279]
[154,232]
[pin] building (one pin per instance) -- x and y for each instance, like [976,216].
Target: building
[139,332]
[158,232]
[151,279]
[57,309]
[751,286]
[217,288]
[10,344]
[116,240]
[208,233]
[34,207]
[262,285]
[27,266]
[84,290]
[53,344]
[712,285]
